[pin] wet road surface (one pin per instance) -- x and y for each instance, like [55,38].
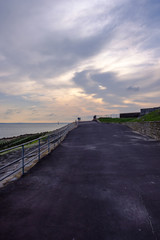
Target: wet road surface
[101,183]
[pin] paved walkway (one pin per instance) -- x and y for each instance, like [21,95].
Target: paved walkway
[101,183]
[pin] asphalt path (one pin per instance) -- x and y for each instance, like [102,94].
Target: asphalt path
[101,183]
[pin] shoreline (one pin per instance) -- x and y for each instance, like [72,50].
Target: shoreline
[22,135]
[11,130]
[8,142]
[24,138]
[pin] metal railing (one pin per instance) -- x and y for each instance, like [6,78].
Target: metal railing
[22,157]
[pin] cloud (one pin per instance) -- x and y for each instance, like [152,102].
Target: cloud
[11,111]
[102,87]
[131,88]
[54,53]
[116,89]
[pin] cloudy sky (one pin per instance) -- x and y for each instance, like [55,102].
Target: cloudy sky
[67,58]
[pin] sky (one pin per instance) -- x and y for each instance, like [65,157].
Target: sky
[64,59]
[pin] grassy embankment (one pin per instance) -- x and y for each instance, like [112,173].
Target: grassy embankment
[11,142]
[115,120]
[153,116]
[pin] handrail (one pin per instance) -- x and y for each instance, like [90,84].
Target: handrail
[47,146]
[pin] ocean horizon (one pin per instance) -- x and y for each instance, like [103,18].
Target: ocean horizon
[8,130]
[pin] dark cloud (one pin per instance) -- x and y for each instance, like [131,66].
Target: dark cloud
[9,112]
[91,81]
[65,53]
[34,50]
[134,89]
[116,89]
[12,111]
[51,115]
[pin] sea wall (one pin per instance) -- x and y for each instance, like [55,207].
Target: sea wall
[151,129]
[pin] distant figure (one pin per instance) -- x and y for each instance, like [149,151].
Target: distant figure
[79,119]
[94,118]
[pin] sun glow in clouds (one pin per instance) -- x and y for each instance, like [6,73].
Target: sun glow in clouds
[102,87]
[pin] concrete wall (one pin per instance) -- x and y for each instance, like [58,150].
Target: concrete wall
[145,111]
[151,129]
[130,115]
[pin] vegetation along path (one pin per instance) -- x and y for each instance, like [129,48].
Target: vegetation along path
[101,183]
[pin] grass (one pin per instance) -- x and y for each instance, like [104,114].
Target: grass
[115,120]
[20,140]
[153,116]
[150,117]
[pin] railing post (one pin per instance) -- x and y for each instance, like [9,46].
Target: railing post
[39,149]
[22,159]
[48,144]
[59,138]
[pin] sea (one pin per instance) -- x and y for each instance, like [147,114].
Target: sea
[16,129]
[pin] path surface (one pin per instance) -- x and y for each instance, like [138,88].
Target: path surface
[101,183]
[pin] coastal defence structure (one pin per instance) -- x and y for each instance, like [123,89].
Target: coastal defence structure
[148,128]
[145,111]
[142,112]
[151,129]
